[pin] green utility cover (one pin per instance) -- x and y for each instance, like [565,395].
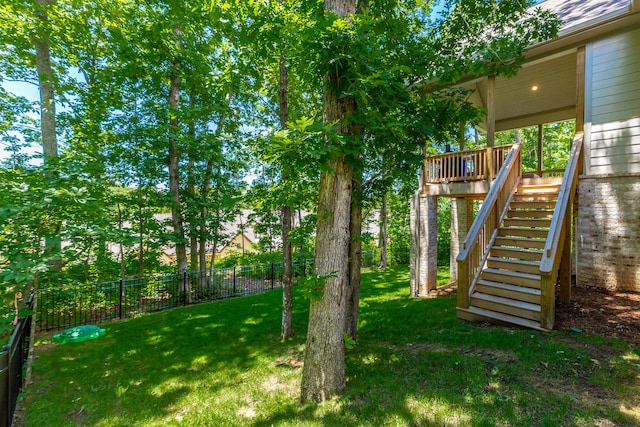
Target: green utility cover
[79,334]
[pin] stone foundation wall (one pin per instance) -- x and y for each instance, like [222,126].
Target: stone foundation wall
[608,233]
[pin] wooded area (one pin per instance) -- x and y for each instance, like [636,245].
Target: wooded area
[201,109]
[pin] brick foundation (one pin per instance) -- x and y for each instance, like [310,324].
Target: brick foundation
[608,233]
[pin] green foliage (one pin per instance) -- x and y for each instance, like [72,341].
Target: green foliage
[313,285]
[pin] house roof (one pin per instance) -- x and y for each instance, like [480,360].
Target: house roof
[552,65]
[577,14]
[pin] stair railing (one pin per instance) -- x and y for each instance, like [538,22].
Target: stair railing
[557,247]
[473,253]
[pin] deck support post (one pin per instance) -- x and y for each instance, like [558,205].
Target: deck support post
[424,244]
[565,260]
[461,219]
[540,153]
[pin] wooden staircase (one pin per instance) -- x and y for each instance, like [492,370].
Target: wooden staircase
[508,286]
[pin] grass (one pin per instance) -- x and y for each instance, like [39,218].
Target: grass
[221,364]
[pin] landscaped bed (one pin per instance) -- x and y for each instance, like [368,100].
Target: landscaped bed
[415,364]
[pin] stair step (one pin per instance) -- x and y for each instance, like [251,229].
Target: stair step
[511,277]
[521,266]
[532,204]
[520,242]
[475,314]
[530,213]
[523,232]
[554,180]
[506,305]
[516,253]
[504,290]
[538,188]
[530,222]
[535,197]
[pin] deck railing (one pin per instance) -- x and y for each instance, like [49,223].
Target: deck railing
[469,165]
[557,247]
[474,251]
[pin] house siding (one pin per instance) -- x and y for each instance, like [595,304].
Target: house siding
[608,223]
[614,105]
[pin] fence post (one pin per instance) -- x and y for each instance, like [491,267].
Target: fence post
[234,281]
[273,276]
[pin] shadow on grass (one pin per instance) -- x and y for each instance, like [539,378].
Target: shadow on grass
[415,364]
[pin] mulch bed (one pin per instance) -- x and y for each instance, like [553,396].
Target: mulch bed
[593,311]
[603,313]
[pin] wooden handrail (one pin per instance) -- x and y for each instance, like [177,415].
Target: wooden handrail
[468,165]
[567,190]
[559,229]
[473,251]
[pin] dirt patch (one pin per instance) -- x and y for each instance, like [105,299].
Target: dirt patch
[603,313]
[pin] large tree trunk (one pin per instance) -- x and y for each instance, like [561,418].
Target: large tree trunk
[323,372]
[383,232]
[324,369]
[174,177]
[53,245]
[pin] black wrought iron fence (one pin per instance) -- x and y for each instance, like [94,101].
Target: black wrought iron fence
[12,359]
[64,307]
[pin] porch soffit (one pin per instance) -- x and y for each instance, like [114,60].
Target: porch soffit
[518,104]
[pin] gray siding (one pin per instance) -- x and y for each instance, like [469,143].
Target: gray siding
[614,73]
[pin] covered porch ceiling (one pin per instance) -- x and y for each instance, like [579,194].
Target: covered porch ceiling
[543,91]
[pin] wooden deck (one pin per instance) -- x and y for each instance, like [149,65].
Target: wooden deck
[469,173]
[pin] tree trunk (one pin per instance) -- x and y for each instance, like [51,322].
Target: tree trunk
[323,372]
[45,79]
[324,369]
[287,253]
[141,233]
[53,244]
[383,232]
[191,190]
[287,276]
[174,176]
[355,262]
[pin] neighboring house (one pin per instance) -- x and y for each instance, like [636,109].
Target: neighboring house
[241,238]
[533,233]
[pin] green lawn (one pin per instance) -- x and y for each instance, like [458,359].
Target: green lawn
[221,364]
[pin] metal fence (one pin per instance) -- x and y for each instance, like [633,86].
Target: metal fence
[12,359]
[64,307]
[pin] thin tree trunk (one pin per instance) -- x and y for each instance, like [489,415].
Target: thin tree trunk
[141,233]
[32,333]
[53,244]
[287,253]
[191,191]
[121,247]
[174,176]
[323,373]
[383,232]
[355,261]
[287,276]
[206,188]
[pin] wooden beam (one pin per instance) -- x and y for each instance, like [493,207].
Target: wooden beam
[580,82]
[540,138]
[491,108]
